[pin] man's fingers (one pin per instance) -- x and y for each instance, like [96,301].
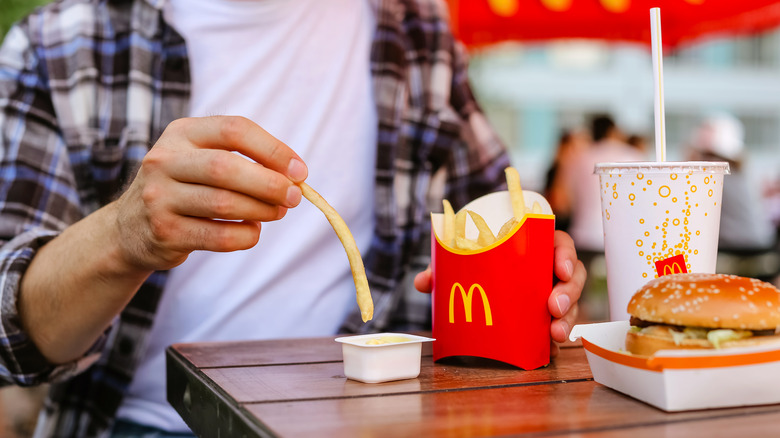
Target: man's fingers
[185,234]
[565,256]
[208,202]
[423,281]
[560,328]
[240,134]
[566,293]
[563,303]
[217,168]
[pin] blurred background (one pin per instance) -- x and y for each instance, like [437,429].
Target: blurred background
[543,68]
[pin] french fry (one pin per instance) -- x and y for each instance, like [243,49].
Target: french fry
[449,223]
[506,228]
[460,224]
[454,230]
[460,232]
[462,242]
[515,192]
[486,236]
[364,301]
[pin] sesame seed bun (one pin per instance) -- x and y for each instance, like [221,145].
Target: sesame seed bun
[708,300]
[667,305]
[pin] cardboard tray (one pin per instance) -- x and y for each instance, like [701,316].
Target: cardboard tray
[678,380]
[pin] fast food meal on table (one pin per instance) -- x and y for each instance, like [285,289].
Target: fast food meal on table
[698,311]
[492,276]
[694,341]
[365,303]
[682,337]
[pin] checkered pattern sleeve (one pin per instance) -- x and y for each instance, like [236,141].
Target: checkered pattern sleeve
[38,199]
[477,168]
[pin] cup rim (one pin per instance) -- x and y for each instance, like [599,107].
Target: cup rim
[662,167]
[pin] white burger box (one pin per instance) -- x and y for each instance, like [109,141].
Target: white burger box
[678,380]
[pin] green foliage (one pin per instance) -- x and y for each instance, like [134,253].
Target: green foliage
[13,10]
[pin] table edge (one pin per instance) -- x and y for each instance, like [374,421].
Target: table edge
[180,393]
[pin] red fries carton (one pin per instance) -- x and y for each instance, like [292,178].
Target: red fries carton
[492,302]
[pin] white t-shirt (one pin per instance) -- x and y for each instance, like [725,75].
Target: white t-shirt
[300,69]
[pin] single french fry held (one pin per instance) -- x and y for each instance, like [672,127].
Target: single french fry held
[365,303]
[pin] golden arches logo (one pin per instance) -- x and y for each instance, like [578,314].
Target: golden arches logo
[671,265]
[674,268]
[467,299]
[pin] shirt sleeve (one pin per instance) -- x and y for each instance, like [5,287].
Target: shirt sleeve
[476,168]
[38,199]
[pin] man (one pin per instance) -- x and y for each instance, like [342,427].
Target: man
[96,225]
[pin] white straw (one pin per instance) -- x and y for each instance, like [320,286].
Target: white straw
[658,76]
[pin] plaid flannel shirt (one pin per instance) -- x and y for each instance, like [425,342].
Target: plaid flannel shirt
[87,86]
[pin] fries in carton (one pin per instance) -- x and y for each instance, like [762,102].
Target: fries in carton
[679,380]
[491,301]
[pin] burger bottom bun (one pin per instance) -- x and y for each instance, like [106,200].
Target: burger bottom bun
[659,338]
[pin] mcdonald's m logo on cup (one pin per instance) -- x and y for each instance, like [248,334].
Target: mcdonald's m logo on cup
[671,265]
[467,298]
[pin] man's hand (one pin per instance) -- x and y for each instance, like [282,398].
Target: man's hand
[193,193]
[563,299]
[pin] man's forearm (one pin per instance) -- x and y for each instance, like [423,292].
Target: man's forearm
[75,286]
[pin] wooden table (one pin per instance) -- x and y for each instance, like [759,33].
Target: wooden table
[297,388]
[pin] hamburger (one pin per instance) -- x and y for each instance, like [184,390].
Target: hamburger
[685,311]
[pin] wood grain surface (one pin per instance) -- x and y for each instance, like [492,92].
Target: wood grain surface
[297,388]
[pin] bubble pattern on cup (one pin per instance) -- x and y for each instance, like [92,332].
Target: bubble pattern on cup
[670,227]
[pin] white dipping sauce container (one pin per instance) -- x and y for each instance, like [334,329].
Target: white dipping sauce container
[382,362]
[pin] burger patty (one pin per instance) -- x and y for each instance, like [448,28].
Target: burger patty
[641,323]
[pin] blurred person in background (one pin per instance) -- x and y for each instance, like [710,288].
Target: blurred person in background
[745,224]
[127,223]
[582,189]
[582,184]
[639,142]
[570,144]
[771,195]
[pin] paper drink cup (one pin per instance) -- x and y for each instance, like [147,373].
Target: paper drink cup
[492,302]
[659,218]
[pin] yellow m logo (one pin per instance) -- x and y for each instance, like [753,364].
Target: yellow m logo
[467,296]
[673,268]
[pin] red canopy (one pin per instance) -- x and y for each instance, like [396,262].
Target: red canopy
[481,22]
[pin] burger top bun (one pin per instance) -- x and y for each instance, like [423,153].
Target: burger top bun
[708,300]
